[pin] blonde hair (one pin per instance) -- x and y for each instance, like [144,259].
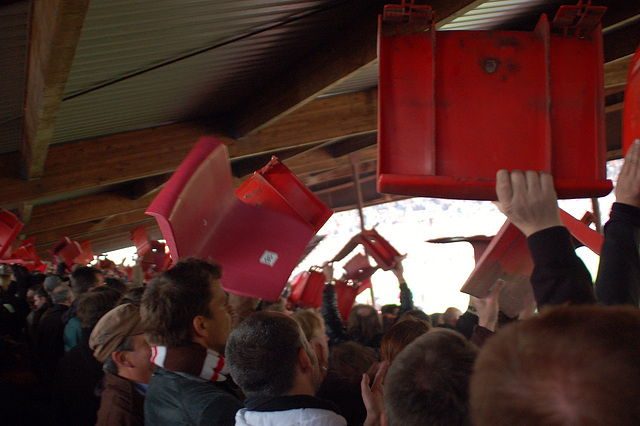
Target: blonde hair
[310,321]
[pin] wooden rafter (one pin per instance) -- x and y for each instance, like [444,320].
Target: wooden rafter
[55,31]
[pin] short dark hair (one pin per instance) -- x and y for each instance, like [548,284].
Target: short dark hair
[93,304]
[174,298]
[428,381]
[571,365]
[83,279]
[262,353]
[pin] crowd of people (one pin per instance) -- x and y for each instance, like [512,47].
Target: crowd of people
[80,348]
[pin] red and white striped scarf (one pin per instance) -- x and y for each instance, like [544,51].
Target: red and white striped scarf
[194,359]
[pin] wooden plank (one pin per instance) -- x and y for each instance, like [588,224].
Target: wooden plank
[89,208]
[150,152]
[332,63]
[86,230]
[615,72]
[55,31]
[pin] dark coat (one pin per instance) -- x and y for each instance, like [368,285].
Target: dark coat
[76,386]
[121,403]
[182,399]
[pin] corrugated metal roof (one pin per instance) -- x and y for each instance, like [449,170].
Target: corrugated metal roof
[13,57]
[165,61]
[489,15]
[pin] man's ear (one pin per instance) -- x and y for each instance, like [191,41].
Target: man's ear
[383,419]
[304,362]
[200,326]
[121,358]
[317,348]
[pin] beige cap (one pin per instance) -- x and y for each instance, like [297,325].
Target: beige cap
[113,328]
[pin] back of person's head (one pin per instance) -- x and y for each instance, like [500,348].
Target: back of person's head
[116,284]
[364,323]
[310,321]
[93,304]
[570,366]
[133,296]
[83,279]
[450,316]
[262,353]
[400,335]
[174,298]
[62,294]
[351,359]
[415,314]
[51,282]
[428,382]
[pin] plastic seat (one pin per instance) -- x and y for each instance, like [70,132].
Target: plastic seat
[10,226]
[200,215]
[456,106]
[375,245]
[307,288]
[507,258]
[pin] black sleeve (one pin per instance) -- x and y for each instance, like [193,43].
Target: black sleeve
[336,331]
[406,299]
[618,280]
[559,276]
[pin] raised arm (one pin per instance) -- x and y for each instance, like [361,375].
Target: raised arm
[530,202]
[406,297]
[618,280]
[336,330]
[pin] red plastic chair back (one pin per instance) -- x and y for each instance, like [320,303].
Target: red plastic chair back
[10,226]
[307,288]
[86,254]
[375,245]
[508,258]
[68,250]
[200,215]
[346,292]
[275,188]
[359,269]
[140,240]
[26,252]
[530,101]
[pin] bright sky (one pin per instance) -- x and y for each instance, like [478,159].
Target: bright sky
[434,272]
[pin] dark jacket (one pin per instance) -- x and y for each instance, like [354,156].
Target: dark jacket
[182,399]
[76,386]
[559,276]
[618,279]
[121,403]
[49,346]
[336,329]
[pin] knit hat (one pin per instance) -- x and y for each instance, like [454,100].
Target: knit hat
[52,282]
[111,330]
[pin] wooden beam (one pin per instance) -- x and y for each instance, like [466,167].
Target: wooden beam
[150,152]
[55,31]
[335,174]
[615,73]
[86,230]
[348,115]
[89,208]
[352,49]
